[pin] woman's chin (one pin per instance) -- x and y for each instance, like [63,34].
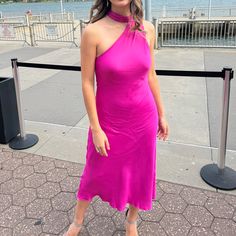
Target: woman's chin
[120,3]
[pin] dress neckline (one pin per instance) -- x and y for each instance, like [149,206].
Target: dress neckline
[118,17]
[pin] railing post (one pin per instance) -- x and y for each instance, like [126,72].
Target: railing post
[29,25]
[218,175]
[24,140]
[73,33]
[162,33]
[224,119]
[50,17]
[81,28]
[27,19]
[148,11]
[209,9]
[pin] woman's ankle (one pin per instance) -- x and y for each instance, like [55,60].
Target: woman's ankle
[78,221]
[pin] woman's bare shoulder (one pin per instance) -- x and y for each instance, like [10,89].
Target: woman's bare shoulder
[92,30]
[148,26]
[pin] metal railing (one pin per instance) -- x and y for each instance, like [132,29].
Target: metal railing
[170,33]
[157,11]
[218,176]
[18,19]
[13,32]
[31,31]
[47,17]
[200,11]
[53,32]
[53,17]
[196,33]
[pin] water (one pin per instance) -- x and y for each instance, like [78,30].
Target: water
[82,8]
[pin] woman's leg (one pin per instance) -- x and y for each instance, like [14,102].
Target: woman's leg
[80,210]
[131,229]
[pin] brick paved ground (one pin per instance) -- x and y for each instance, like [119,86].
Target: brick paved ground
[37,197]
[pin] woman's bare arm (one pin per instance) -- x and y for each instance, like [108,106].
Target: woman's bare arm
[152,77]
[155,87]
[88,55]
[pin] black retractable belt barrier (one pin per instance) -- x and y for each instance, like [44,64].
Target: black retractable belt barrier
[217,176]
[23,140]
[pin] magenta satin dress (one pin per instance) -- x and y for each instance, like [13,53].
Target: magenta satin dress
[129,117]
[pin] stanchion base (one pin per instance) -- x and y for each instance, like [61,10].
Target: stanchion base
[19,142]
[219,178]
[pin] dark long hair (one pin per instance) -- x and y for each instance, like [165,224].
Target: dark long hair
[103,6]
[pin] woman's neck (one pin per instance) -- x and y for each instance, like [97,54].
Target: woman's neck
[122,11]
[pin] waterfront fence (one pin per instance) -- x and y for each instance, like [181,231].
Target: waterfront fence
[18,19]
[196,33]
[52,17]
[169,32]
[53,32]
[32,29]
[199,11]
[46,17]
[13,32]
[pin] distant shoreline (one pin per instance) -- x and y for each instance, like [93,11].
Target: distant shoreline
[80,8]
[40,1]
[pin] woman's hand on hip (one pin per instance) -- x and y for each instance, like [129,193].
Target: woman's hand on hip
[100,142]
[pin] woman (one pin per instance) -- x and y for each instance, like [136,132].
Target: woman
[126,115]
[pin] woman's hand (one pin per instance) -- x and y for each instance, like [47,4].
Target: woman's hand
[100,141]
[163,131]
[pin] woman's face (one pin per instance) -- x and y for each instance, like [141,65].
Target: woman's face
[120,3]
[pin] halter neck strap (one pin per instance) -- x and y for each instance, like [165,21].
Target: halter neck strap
[118,17]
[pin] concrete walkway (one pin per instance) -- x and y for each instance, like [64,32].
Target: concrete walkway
[38,196]
[54,110]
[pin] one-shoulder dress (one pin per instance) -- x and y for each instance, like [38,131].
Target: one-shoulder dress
[128,115]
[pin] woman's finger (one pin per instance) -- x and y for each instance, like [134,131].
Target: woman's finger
[167,132]
[163,135]
[107,144]
[103,151]
[98,149]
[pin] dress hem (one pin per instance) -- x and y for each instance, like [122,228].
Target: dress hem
[113,206]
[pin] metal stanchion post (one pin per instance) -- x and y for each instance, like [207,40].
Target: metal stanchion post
[23,140]
[218,175]
[224,121]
